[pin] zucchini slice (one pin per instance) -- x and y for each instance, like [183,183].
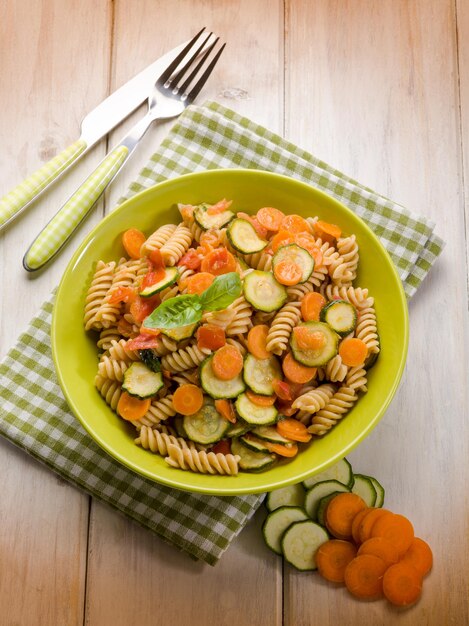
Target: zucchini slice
[269,433]
[240,428]
[292,252]
[365,489]
[141,382]
[251,461]
[258,374]
[206,221]
[318,491]
[293,495]
[170,277]
[341,471]
[253,444]
[205,426]
[323,502]
[179,427]
[254,414]
[319,357]
[340,315]
[371,358]
[217,388]
[277,523]
[300,543]
[181,332]
[263,291]
[243,237]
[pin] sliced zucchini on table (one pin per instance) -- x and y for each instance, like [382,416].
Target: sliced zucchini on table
[319,491]
[251,461]
[277,522]
[340,315]
[258,374]
[341,471]
[292,495]
[217,388]
[206,220]
[180,333]
[263,291]
[364,487]
[320,356]
[171,275]
[140,381]
[206,426]
[293,253]
[243,237]
[379,492]
[253,413]
[300,543]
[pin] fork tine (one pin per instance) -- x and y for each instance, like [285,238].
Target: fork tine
[173,65]
[202,80]
[176,78]
[182,88]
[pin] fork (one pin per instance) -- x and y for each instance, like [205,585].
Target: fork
[174,90]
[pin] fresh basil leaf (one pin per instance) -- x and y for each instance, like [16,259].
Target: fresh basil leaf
[175,312]
[222,292]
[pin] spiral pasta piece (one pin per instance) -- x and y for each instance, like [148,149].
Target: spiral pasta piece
[113,369]
[366,328]
[169,292]
[157,442]
[184,274]
[315,399]
[100,284]
[281,327]
[222,318]
[125,275]
[184,359]
[338,406]
[195,230]
[202,462]
[160,410]
[107,336]
[258,260]
[356,379]
[110,390]
[157,239]
[298,292]
[263,318]
[164,346]
[355,295]
[177,244]
[239,343]
[335,370]
[118,350]
[242,321]
[348,250]
[187,377]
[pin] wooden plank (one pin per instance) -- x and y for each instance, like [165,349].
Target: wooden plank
[462,12]
[53,64]
[132,572]
[379,100]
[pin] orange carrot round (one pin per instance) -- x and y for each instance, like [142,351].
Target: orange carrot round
[281,450]
[210,336]
[225,408]
[368,521]
[132,241]
[353,351]
[325,228]
[381,547]
[188,399]
[364,577]
[219,262]
[131,408]
[260,400]
[257,341]
[288,272]
[282,238]
[402,584]
[332,559]
[295,224]
[419,555]
[293,429]
[311,306]
[296,372]
[270,218]
[198,283]
[397,529]
[227,362]
[340,513]
[356,523]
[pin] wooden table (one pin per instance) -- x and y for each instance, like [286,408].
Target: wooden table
[378,88]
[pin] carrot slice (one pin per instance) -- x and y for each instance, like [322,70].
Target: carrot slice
[325,228]
[132,241]
[307,339]
[131,408]
[311,306]
[294,430]
[210,336]
[219,262]
[287,272]
[270,218]
[340,513]
[278,448]
[225,408]
[357,520]
[402,584]
[188,399]
[353,351]
[395,528]
[419,555]
[227,362]
[381,547]
[295,224]
[257,341]
[260,400]
[366,525]
[199,282]
[282,238]
[332,558]
[296,372]
[219,207]
[364,577]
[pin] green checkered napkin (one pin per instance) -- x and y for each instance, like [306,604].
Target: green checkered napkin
[33,412]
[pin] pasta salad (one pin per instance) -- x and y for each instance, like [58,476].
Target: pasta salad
[230,340]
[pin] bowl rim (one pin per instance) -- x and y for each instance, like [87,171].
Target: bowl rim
[231,490]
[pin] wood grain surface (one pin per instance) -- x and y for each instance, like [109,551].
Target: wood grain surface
[380,90]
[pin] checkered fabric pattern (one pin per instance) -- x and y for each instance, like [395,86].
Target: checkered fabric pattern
[33,412]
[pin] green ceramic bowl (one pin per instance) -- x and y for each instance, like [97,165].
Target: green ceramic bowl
[75,352]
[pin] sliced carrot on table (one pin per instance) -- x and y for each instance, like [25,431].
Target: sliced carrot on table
[132,240]
[288,272]
[366,525]
[308,339]
[282,238]
[282,389]
[296,372]
[381,547]
[218,262]
[325,228]
[257,341]
[332,558]
[294,430]
[270,218]
[353,351]
[402,584]
[131,408]
[198,283]
[188,399]
[286,451]
[395,528]
[225,408]
[340,513]
[227,362]
[311,306]
[260,400]
[295,224]
[419,555]
[356,523]
[210,336]
[364,577]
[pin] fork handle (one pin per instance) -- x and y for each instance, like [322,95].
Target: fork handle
[23,194]
[55,234]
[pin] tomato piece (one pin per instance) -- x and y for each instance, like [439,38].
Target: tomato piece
[122,294]
[219,262]
[143,307]
[210,336]
[219,207]
[143,342]
[288,272]
[282,389]
[155,259]
[222,447]
[153,277]
[285,408]
[191,260]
